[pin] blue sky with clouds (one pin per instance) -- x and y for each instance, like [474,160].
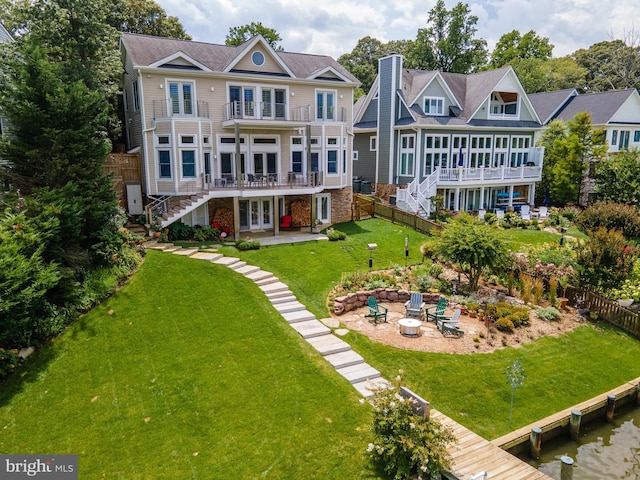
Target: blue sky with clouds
[333,27]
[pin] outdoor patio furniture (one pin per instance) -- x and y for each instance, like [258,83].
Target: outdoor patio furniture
[448,326]
[543,212]
[414,307]
[525,212]
[435,311]
[376,311]
[286,222]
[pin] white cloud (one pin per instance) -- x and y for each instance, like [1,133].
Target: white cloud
[333,27]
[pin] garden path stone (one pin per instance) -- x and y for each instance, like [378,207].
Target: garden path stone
[330,322]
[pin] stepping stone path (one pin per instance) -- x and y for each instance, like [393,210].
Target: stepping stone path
[337,352]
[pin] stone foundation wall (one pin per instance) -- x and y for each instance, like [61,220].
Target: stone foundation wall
[356,300]
[341,202]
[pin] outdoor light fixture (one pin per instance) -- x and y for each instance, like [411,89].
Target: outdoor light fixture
[371,247]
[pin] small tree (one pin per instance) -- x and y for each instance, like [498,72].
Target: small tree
[404,443]
[473,246]
[515,378]
[239,35]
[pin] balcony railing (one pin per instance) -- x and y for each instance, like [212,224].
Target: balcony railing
[160,110]
[462,174]
[266,181]
[265,111]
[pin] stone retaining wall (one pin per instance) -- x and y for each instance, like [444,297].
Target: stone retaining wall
[356,300]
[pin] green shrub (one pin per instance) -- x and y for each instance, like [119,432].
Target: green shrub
[336,235]
[612,216]
[504,324]
[9,360]
[404,444]
[180,231]
[548,314]
[244,245]
[490,218]
[206,233]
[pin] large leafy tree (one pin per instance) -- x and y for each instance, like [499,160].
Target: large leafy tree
[611,65]
[145,17]
[362,61]
[568,149]
[473,246]
[239,35]
[514,46]
[448,43]
[618,178]
[55,87]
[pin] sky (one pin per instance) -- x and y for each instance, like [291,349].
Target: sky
[333,27]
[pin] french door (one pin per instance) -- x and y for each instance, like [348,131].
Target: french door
[256,214]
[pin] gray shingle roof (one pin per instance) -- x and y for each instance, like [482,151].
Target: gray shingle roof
[547,104]
[145,50]
[4,34]
[602,106]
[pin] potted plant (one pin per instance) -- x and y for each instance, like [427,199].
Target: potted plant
[316,226]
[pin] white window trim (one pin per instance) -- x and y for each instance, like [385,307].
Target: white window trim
[319,198]
[355,155]
[194,102]
[195,164]
[373,143]
[407,150]
[164,148]
[428,99]
[335,105]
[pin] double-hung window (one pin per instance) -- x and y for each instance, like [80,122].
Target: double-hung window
[407,152]
[325,105]
[164,163]
[181,97]
[332,155]
[188,163]
[434,106]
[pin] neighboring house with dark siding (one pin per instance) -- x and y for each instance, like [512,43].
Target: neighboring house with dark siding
[468,138]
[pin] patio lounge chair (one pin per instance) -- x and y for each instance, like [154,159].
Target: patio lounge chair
[543,212]
[286,222]
[525,212]
[438,310]
[448,326]
[414,307]
[376,312]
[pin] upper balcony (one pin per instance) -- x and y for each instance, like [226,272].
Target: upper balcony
[160,111]
[529,171]
[268,115]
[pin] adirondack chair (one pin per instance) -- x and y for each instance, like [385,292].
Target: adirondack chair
[525,212]
[376,311]
[414,307]
[448,326]
[435,311]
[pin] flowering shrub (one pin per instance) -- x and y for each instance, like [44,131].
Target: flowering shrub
[548,260]
[404,444]
[630,288]
[612,216]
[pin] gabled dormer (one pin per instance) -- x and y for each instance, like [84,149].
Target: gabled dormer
[257,57]
[504,105]
[179,61]
[435,98]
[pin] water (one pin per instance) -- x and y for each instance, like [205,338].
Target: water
[604,450]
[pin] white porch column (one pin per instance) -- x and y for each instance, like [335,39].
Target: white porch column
[511,196]
[482,202]
[456,201]
[532,194]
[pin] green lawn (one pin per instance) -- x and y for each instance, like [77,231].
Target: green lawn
[194,375]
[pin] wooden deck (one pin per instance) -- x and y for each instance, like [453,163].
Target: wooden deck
[473,454]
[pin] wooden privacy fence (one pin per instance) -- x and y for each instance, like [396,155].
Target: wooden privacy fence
[365,207]
[607,310]
[125,168]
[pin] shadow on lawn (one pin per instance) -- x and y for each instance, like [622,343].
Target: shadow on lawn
[352,228]
[31,369]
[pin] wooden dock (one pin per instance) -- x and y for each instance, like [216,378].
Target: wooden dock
[473,454]
[558,423]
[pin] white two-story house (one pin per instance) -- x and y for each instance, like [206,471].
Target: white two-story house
[615,112]
[248,131]
[467,138]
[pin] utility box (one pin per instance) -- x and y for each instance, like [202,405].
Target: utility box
[134,198]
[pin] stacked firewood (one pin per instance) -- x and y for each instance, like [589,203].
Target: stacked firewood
[301,213]
[224,216]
